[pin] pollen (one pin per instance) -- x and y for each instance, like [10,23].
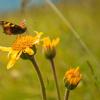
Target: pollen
[23,42]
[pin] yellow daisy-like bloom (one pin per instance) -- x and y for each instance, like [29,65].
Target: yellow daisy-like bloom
[49,47]
[23,44]
[72,78]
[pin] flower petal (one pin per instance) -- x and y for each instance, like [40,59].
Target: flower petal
[37,37]
[10,51]
[7,49]
[29,51]
[14,56]
[55,42]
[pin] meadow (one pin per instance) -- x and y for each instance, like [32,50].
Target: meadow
[21,81]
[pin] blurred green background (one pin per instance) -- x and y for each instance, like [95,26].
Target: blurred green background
[21,82]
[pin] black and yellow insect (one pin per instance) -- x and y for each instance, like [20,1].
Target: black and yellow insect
[13,29]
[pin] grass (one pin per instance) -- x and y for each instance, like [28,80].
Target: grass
[21,82]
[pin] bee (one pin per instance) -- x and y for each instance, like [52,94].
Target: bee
[13,29]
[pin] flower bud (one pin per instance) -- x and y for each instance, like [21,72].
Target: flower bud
[72,78]
[49,47]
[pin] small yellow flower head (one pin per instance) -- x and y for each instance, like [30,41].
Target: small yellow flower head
[22,45]
[49,47]
[72,78]
[27,41]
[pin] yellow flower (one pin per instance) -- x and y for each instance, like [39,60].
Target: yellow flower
[72,78]
[49,47]
[23,44]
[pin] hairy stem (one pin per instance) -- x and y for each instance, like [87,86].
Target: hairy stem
[32,58]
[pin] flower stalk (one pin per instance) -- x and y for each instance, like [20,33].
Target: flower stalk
[67,92]
[33,60]
[55,77]
[50,53]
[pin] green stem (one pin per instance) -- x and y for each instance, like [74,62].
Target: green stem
[55,78]
[32,58]
[66,97]
[93,73]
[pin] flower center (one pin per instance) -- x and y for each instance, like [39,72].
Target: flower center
[23,42]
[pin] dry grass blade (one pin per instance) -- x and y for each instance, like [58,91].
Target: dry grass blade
[74,32]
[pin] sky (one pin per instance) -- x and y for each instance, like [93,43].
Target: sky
[6,5]
[9,4]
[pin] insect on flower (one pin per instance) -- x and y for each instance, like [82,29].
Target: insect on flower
[13,29]
[22,44]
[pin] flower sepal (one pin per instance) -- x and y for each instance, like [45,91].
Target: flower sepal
[25,56]
[70,86]
[50,53]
